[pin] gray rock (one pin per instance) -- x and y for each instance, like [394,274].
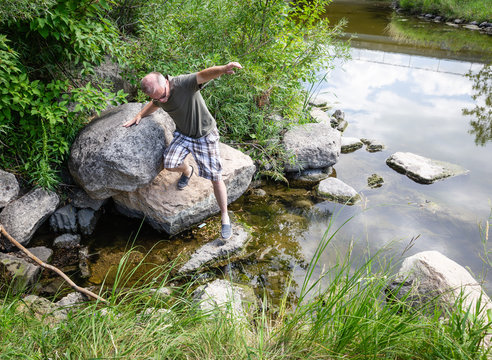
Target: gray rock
[458,21]
[320,116]
[373,145]
[313,146]
[111,72]
[336,190]
[375,181]
[42,253]
[342,125]
[71,302]
[350,144]
[309,178]
[18,271]
[217,250]
[81,200]
[485,24]
[258,192]
[67,241]
[168,209]
[423,170]
[22,217]
[339,115]
[471,27]
[87,221]
[64,219]
[9,188]
[223,295]
[107,158]
[42,309]
[162,293]
[429,274]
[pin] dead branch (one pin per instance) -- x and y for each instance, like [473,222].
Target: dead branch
[53,268]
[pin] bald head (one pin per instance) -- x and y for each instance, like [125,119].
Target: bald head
[152,83]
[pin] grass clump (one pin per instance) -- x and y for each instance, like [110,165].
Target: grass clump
[470,10]
[343,313]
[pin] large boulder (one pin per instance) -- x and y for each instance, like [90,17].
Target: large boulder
[314,146]
[9,188]
[429,277]
[423,170]
[171,210]
[22,217]
[107,158]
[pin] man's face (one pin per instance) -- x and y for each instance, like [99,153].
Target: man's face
[161,94]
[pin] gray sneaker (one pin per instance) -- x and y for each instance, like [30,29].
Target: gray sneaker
[183,180]
[226,231]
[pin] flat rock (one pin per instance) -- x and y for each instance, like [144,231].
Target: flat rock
[64,219]
[423,170]
[42,253]
[107,158]
[429,274]
[168,209]
[217,250]
[9,188]
[350,144]
[336,190]
[314,146]
[22,217]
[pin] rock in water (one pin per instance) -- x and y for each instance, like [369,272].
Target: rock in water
[64,219]
[171,210]
[350,144]
[9,188]
[336,190]
[216,250]
[22,217]
[313,146]
[423,170]
[107,158]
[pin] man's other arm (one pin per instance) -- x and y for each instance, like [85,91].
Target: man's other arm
[215,71]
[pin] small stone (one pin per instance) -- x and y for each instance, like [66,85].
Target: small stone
[258,192]
[438,19]
[84,263]
[162,293]
[67,241]
[471,27]
[458,21]
[336,190]
[350,144]
[373,145]
[339,115]
[81,200]
[375,181]
[318,101]
[342,125]
[42,253]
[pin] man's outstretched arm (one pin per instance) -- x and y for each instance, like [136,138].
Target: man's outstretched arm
[147,110]
[215,71]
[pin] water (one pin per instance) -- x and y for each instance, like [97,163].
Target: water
[408,95]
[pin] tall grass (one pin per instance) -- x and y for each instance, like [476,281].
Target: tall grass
[347,316]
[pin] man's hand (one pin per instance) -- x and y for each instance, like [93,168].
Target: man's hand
[135,121]
[229,68]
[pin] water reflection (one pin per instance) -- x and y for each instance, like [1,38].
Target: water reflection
[482,112]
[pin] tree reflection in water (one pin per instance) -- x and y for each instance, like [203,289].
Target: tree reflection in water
[481,124]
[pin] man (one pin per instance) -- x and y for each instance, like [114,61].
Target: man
[196,129]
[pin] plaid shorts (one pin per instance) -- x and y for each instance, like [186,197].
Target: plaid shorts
[205,150]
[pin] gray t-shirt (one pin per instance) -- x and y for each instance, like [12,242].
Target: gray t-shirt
[187,108]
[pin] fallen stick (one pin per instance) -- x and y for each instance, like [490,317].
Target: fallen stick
[53,268]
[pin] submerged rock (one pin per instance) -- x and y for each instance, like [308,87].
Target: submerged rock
[336,190]
[67,241]
[309,178]
[9,188]
[375,181]
[217,250]
[171,210]
[423,170]
[313,146]
[87,221]
[350,144]
[107,158]
[22,217]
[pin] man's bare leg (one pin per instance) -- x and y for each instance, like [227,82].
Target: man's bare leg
[220,192]
[183,168]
